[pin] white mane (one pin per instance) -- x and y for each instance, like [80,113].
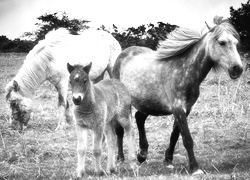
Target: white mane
[177,42]
[32,73]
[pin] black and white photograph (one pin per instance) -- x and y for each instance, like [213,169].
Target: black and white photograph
[124,90]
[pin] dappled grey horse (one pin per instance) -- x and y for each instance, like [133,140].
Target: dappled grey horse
[167,81]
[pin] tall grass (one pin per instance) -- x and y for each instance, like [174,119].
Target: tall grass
[219,124]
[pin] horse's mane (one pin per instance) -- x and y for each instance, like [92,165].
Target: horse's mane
[177,42]
[33,70]
[52,39]
[181,39]
[223,25]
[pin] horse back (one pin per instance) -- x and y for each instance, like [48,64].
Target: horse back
[114,93]
[128,55]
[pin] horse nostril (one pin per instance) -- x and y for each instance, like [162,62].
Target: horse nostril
[77,100]
[237,69]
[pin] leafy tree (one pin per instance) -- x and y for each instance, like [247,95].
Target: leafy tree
[4,41]
[240,18]
[55,21]
[17,45]
[144,35]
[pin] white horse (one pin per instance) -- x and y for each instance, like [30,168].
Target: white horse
[48,61]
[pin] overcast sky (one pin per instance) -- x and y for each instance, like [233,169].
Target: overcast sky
[19,16]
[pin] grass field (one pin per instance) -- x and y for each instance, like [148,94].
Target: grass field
[219,123]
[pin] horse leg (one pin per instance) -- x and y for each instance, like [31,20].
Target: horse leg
[68,113]
[180,117]
[173,139]
[82,135]
[126,123]
[64,114]
[143,143]
[97,150]
[109,69]
[110,140]
[120,133]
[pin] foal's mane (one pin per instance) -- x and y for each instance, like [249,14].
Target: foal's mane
[37,61]
[181,39]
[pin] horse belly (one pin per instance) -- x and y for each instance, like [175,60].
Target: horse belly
[153,106]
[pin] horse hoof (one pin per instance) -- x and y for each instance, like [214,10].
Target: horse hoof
[80,173]
[111,171]
[168,164]
[99,173]
[141,157]
[134,166]
[198,172]
[120,159]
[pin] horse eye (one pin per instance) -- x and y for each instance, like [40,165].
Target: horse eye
[222,43]
[85,81]
[13,104]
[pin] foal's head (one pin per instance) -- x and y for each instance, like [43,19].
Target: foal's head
[222,45]
[20,106]
[79,81]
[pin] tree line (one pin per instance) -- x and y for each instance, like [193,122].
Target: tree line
[143,35]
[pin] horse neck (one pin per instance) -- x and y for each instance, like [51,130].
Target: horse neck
[31,76]
[197,61]
[88,103]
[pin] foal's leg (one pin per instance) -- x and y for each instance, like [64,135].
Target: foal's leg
[97,150]
[111,144]
[82,135]
[180,117]
[131,144]
[64,113]
[140,121]
[173,139]
[125,121]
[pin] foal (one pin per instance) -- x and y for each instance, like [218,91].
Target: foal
[102,108]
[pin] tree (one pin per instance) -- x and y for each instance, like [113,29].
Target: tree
[55,21]
[17,45]
[240,18]
[144,35]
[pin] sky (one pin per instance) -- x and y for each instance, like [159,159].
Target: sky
[19,16]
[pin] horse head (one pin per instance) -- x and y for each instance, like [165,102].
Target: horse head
[222,44]
[20,106]
[79,81]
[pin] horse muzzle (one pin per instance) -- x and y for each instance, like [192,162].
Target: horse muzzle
[19,121]
[16,125]
[235,71]
[77,100]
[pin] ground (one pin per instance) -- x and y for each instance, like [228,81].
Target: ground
[219,124]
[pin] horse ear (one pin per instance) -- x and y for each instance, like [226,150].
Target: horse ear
[207,25]
[15,86]
[70,68]
[87,68]
[8,90]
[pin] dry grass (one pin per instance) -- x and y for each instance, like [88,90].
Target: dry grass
[219,123]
